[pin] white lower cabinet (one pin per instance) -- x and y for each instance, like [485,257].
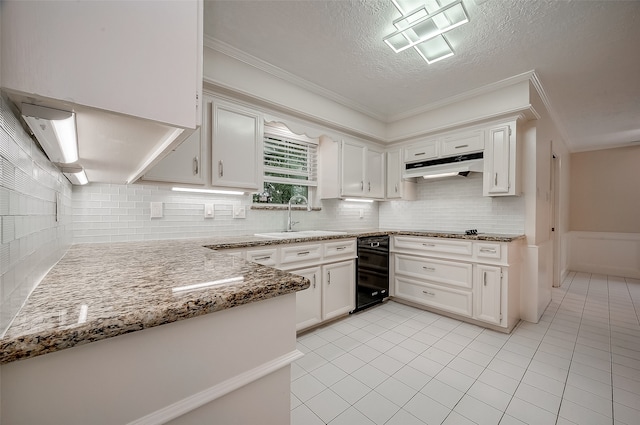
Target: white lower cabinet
[472,283]
[488,293]
[309,301]
[330,268]
[338,289]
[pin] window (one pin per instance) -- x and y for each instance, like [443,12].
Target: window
[290,166]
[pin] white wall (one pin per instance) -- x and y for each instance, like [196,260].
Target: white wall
[118,213]
[32,240]
[455,204]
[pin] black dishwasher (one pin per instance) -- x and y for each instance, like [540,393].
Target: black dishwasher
[373,271]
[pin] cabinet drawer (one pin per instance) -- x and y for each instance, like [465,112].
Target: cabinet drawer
[487,250]
[266,257]
[339,249]
[431,246]
[298,253]
[463,143]
[422,151]
[448,272]
[453,300]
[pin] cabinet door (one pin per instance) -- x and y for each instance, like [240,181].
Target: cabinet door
[338,289]
[236,146]
[394,174]
[309,301]
[182,165]
[353,166]
[498,163]
[488,293]
[459,143]
[375,174]
[423,150]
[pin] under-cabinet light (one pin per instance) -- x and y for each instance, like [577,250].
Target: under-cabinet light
[358,200]
[437,176]
[55,130]
[76,175]
[214,191]
[204,285]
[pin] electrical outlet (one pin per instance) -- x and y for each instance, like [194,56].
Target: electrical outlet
[156,210]
[239,211]
[208,211]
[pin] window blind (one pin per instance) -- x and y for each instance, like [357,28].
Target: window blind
[289,161]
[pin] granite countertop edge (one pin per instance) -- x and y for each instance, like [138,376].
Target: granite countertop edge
[262,283]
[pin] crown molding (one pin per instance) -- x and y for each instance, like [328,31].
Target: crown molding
[228,50]
[537,85]
[525,76]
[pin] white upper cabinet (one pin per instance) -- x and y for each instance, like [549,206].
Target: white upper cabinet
[183,165]
[500,161]
[353,169]
[141,59]
[425,149]
[375,173]
[464,142]
[360,170]
[236,143]
[396,186]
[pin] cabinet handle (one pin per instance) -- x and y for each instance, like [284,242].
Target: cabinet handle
[429,244]
[329,277]
[196,167]
[396,188]
[495,180]
[340,248]
[462,146]
[491,250]
[369,186]
[262,258]
[429,269]
[303,253]
[429,293]
[361,184]
[419,153]
[484,278]
[220,168]
[374,244]
[314,281]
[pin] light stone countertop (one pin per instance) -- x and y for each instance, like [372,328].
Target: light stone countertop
[99,291]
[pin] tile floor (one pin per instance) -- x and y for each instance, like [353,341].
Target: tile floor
[397,365]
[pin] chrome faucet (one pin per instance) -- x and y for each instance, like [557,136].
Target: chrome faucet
[290,222]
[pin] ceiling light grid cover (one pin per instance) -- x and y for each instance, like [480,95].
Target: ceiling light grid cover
[424,28]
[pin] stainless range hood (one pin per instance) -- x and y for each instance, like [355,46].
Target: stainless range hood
[443,167]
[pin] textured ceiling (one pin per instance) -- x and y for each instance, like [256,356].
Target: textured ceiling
[585,53]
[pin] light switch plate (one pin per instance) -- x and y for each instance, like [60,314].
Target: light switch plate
[208,211]
[156,210]
[239,211]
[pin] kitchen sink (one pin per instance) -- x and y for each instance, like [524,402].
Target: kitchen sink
[299,234]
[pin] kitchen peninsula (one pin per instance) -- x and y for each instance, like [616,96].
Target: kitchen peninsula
[114,314]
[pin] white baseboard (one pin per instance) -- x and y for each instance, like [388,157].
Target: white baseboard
[186,405]
[615,254]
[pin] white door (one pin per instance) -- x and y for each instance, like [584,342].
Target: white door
[338,289]
[488,293]
[394,174]
[309,301]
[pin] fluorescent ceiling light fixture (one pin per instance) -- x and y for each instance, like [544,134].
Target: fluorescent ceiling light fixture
[358,200]
[419,25]
[76,175]
[55,130]
[214,191]
[205,285]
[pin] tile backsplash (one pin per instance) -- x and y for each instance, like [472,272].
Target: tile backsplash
[118,213]
[455,203]
[35,214]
